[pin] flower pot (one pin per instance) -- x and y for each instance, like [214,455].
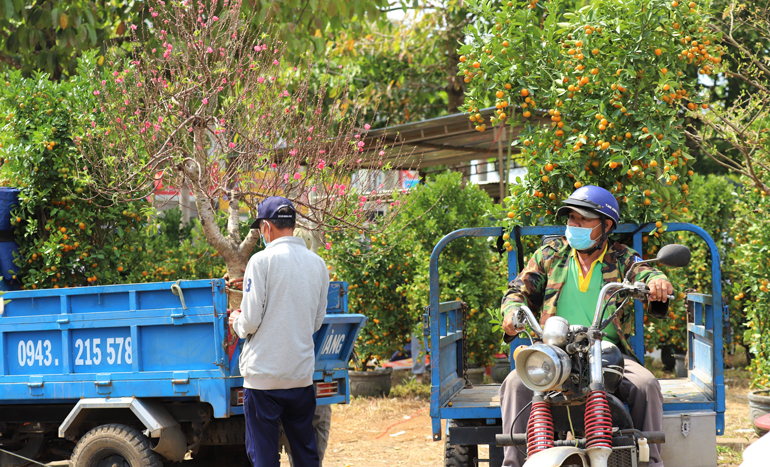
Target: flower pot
[476,375]
[374,383]
[680,365]
[759,404]
[500,369]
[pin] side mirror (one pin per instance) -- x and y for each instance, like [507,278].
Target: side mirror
[676,256]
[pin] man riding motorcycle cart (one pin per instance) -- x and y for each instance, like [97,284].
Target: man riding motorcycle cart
[564,278]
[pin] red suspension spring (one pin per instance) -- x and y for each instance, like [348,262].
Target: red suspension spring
[539,428]
[598,421]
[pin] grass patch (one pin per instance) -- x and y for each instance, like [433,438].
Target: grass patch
[410,388]
[728,455]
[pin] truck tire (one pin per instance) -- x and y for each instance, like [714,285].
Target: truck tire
[456,455]
[114,444]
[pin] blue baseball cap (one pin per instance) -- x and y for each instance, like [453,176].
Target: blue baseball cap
[268,209]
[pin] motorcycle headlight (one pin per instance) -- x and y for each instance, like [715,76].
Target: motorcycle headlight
[543,367]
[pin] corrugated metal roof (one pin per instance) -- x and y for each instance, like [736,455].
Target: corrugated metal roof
[449,140]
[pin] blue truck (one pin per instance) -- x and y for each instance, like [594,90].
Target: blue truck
[693,406]
[138,374]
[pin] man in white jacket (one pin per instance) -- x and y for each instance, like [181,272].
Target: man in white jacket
[284,303]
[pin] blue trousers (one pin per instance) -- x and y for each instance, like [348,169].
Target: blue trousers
[294,408]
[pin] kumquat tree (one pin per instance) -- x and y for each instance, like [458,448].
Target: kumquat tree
[615,79]
[210,109]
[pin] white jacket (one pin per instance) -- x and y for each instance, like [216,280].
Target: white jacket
[284,302]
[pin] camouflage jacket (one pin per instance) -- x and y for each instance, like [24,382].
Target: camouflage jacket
[539,285]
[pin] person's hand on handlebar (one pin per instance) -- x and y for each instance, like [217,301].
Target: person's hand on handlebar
[660,289]
[511,326]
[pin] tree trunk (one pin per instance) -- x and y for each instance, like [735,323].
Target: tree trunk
[235,270]
[235,252]
[456,22]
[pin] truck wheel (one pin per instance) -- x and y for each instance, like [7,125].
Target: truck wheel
[114,445]
[456,455]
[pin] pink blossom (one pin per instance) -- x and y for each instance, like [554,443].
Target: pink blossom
[133,26]
[321,165]
[328,246]
[361,144]
[231,145]
[273,165]
[357,136]
[190,129]
[359,161]
[215,18]
[93,124]
[340,67]
[275,62]
[293,152]
[367,126]
[205,101]
[209,50]
[285,177]
[104,82]
[260,80]
[154,14]
[286,93]
[96,93]
[115,73]
[321,151]
[382,153]
[297,176]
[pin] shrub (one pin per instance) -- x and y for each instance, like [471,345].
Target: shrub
[712,203]
[751,291]
[389,276]
[469,270]
[613,118]
[67,234]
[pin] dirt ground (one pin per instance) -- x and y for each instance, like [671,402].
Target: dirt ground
[397,430]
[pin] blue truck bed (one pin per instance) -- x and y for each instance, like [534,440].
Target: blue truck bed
[155,342]
[701,392]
